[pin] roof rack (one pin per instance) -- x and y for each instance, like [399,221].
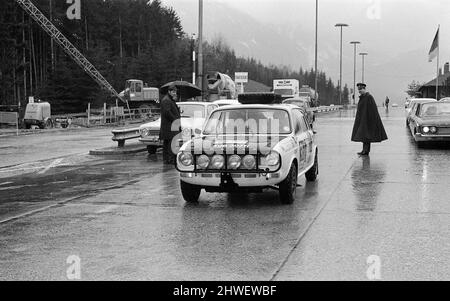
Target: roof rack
[259,98]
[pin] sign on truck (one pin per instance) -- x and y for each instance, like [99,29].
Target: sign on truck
[287,88]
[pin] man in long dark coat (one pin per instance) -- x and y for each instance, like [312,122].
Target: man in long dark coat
[368,127]
[170,123]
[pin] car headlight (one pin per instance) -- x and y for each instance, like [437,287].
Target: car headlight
[217,162]
[186,133]
[145,132]
[234,162]
[426,129]
[185,159]
[203,162]
[249,162]
[433,130]
[273,159]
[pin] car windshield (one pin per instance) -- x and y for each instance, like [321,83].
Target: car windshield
[192,110]
[299,103]
[248,121]
[283,91]
[435,109]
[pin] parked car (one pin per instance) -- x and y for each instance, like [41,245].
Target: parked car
[413,106]
[430,121]
[305,105]
[226,102]
[193,115]
[253,156]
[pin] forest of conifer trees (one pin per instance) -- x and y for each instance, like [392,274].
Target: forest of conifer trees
[123,39]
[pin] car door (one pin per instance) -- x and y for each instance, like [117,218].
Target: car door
[301,138]
[309,141]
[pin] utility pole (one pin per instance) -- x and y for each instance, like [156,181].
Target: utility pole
[200,46]
[51,39]
[363,54]
[315,55]
[354,70]
[341,25]
[193,58]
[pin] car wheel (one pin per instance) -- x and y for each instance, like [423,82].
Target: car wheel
[420,144]
[311,174]
[289,186]
[190,192]
[152,149]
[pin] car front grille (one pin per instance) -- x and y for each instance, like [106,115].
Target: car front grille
[443,131]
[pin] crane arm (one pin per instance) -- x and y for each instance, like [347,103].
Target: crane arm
[67,46]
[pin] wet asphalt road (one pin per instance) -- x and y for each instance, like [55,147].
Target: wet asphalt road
[125,219]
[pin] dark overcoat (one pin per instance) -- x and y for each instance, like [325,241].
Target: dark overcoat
[368,126]
[170,118]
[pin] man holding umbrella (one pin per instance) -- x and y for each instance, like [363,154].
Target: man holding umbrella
[368,127]
[170,123]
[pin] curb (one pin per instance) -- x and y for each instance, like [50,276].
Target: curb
[127,149]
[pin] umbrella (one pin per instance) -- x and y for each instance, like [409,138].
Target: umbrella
[185,89]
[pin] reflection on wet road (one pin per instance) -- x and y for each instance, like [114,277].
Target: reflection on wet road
[126,220]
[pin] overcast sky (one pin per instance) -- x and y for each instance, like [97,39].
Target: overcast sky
[388,29]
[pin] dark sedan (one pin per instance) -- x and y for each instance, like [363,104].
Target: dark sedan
[430,121]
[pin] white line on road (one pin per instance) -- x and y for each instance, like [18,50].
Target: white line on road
[5,183]
[107,209]
[51,165]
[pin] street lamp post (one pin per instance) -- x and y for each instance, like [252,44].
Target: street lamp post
[363,54]
[354,69]
[341,25]
[315,53]
[193,59]
[200,46]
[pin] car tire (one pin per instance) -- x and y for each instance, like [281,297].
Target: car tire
[288,187]
[151,149]
[421,144]
[190,192]
[311,174]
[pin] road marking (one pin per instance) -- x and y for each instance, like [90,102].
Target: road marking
[51,165]
[5,183]
[107,209]
[17,187]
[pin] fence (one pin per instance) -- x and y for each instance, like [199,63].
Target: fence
[112,115]
[10,118]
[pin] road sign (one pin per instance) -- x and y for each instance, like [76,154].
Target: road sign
[241,77]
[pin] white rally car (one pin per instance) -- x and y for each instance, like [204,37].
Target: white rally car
[193,115]
[250,147]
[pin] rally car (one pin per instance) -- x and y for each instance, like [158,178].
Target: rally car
[250,147]
[193,115]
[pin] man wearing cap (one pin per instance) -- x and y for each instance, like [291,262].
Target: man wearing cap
[170,123]
[368,127]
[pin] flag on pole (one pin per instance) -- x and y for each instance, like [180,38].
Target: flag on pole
[434,47]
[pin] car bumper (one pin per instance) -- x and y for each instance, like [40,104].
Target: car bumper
[154,141]
[213,181]
[430,138]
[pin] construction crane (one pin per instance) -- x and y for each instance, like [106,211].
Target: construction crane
[68,47]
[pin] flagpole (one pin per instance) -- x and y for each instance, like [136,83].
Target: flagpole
[437,69]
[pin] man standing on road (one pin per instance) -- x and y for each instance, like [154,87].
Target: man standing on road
[170,123]
[368,127]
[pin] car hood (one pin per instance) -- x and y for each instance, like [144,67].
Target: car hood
[238,143]
[192,123]
[435,121]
